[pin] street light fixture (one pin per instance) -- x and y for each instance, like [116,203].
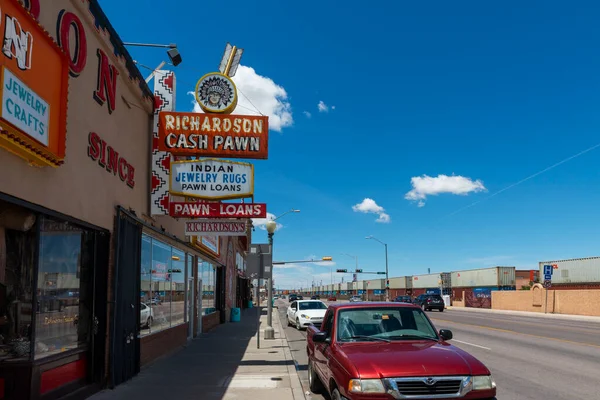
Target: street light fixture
[173,54]
[387,289]
[271,226]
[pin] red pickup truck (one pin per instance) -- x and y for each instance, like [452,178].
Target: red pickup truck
[377,351]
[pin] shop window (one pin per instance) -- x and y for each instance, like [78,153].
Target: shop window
[163,286]
[176,279]
[17,250]
[64,288]
[208,274]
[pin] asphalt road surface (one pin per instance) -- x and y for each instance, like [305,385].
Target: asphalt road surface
[530,358]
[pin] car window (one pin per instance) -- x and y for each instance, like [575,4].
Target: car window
[142,306]
[421,322]
[312,305]
[327,323]
[393,323]
[294,304]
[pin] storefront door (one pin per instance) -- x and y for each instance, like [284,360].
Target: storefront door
[125,345]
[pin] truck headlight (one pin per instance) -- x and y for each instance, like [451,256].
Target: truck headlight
[365,386]
[484,382]
[304,316]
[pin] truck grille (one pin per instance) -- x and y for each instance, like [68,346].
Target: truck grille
[420,388]
[443,387]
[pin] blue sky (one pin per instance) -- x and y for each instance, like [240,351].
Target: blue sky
[489,93]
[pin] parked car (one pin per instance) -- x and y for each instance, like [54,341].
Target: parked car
[390,351]
[155,302]
[430,301]
[315,297]
[403,299]
[303,313]
[354,299]
[331,298]
[146,315]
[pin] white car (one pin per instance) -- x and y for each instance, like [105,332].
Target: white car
[354,299]
[146,315]
[303,313]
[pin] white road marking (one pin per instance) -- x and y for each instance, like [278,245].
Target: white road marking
[471,344]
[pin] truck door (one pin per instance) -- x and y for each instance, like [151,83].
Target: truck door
[322,349]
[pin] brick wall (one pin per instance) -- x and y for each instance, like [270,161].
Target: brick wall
[162,343]
[210,321]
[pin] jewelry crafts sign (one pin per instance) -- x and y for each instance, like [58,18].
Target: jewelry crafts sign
[212,179]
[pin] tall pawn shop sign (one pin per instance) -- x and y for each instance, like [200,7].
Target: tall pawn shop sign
[216,132]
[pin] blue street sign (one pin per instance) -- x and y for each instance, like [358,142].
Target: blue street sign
[547,277]
[548,270]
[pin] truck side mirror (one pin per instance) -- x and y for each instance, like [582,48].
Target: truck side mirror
[446,334]
[320,337]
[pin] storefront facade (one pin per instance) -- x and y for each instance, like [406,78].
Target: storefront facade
[91,287]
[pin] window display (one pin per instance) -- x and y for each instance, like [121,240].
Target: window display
[64,295]
[163,290]
[17,249]
[208,274]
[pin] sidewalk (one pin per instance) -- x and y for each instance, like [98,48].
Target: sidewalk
[222,364]
[570,317]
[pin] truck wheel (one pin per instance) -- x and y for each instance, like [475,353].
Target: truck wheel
[335,395]
[314,382]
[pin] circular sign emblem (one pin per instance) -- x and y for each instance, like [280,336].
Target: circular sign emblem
[216,93]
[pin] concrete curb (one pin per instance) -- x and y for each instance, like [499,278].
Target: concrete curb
[297,390]
[568,317]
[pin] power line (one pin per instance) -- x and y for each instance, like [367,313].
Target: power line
[525,179]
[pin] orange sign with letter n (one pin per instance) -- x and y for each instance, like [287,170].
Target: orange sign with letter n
[34,82]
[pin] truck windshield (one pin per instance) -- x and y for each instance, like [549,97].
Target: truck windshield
[401,323]
[312,305]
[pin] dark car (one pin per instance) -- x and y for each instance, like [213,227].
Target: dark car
[430,302]
[403,299]
[315,297]
[292,297]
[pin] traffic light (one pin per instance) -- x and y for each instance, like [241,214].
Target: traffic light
[359,271]
[381,273]
[326,258]
[342,270]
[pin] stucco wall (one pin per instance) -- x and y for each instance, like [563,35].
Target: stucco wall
[81,187]
[576,302]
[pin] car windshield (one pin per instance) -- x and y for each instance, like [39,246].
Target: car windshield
[391,323]
[312,305]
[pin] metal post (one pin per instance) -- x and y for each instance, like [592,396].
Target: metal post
[259,311]
[269,331]
[387,289]
[546,307]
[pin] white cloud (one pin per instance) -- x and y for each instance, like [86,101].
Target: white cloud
[307,114]
[322,106]
[257,91]
[369,206]
[425,185]
[261,223]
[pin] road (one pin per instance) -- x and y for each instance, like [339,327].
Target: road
[530,358]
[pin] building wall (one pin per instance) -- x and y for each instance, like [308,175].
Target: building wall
[80,187]
[575,302]
[161,343]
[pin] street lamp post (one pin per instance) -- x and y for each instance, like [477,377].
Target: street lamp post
[271,228]
[387,289]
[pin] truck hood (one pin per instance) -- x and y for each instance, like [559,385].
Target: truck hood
[410,358]
[311,313]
